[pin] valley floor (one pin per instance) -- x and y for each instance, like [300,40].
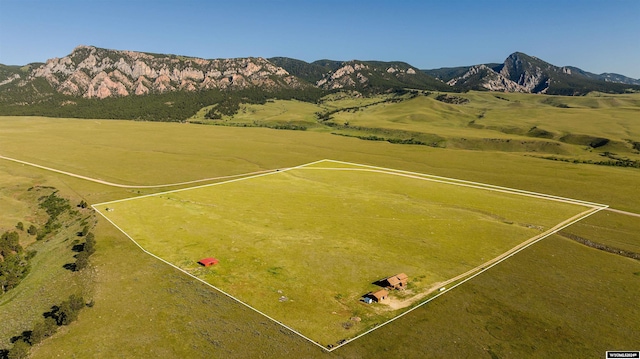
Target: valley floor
[555,298]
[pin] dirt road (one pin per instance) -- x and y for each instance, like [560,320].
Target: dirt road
[107,183]
[398,304]
[623,212]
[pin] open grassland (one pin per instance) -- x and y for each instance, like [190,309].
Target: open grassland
[507,114]
[556,298]
[614,230]
[146,153]
[592,128]
[320,238]
[513,122]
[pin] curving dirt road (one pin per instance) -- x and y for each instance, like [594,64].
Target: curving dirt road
[129,186]
[107,183]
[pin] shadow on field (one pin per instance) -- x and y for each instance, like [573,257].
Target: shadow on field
[381,283]
[26,336]
[78,248]
[70,267]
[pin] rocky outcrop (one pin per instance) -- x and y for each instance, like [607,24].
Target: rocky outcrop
[342,77]
[528,72]
[518,73]
[524,73]
[607,77]
[10,79]
[359,75]
[92,72]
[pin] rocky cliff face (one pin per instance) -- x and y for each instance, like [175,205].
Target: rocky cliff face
[518,73]
[359,74]
[529,73]
[92,72]
[607,77]
[524,73]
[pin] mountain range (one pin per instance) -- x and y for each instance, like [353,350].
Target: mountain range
[523,73]
[94,73]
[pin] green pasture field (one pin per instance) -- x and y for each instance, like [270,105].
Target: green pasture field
[556,298]
[305,244]
[143,153]
[612,229]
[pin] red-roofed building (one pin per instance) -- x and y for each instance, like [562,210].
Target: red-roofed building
[380,296]
[208,262]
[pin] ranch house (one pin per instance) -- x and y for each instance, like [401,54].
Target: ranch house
[379,296]
[398,281]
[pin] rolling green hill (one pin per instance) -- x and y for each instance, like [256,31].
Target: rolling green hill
[598,128]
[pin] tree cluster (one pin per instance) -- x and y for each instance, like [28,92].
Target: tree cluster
[54,206]
[86,250]
[63,314]
[14,262]
[452,99]
[14,266]
[614,161]
[175,106]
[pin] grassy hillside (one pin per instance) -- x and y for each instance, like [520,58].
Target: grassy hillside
[539,123]
[597,128]
[50,281]
[558,297]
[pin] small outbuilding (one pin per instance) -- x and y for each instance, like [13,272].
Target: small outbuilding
[379,296]
[208,262]
[398,281]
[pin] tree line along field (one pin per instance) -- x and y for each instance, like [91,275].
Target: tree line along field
[557,297]
[303,246]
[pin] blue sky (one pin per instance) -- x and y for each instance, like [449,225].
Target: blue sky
[597,36]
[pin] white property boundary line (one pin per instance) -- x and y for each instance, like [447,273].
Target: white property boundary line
[270,172]
[594,208]
[469,183]
[209,284]
[258,172]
